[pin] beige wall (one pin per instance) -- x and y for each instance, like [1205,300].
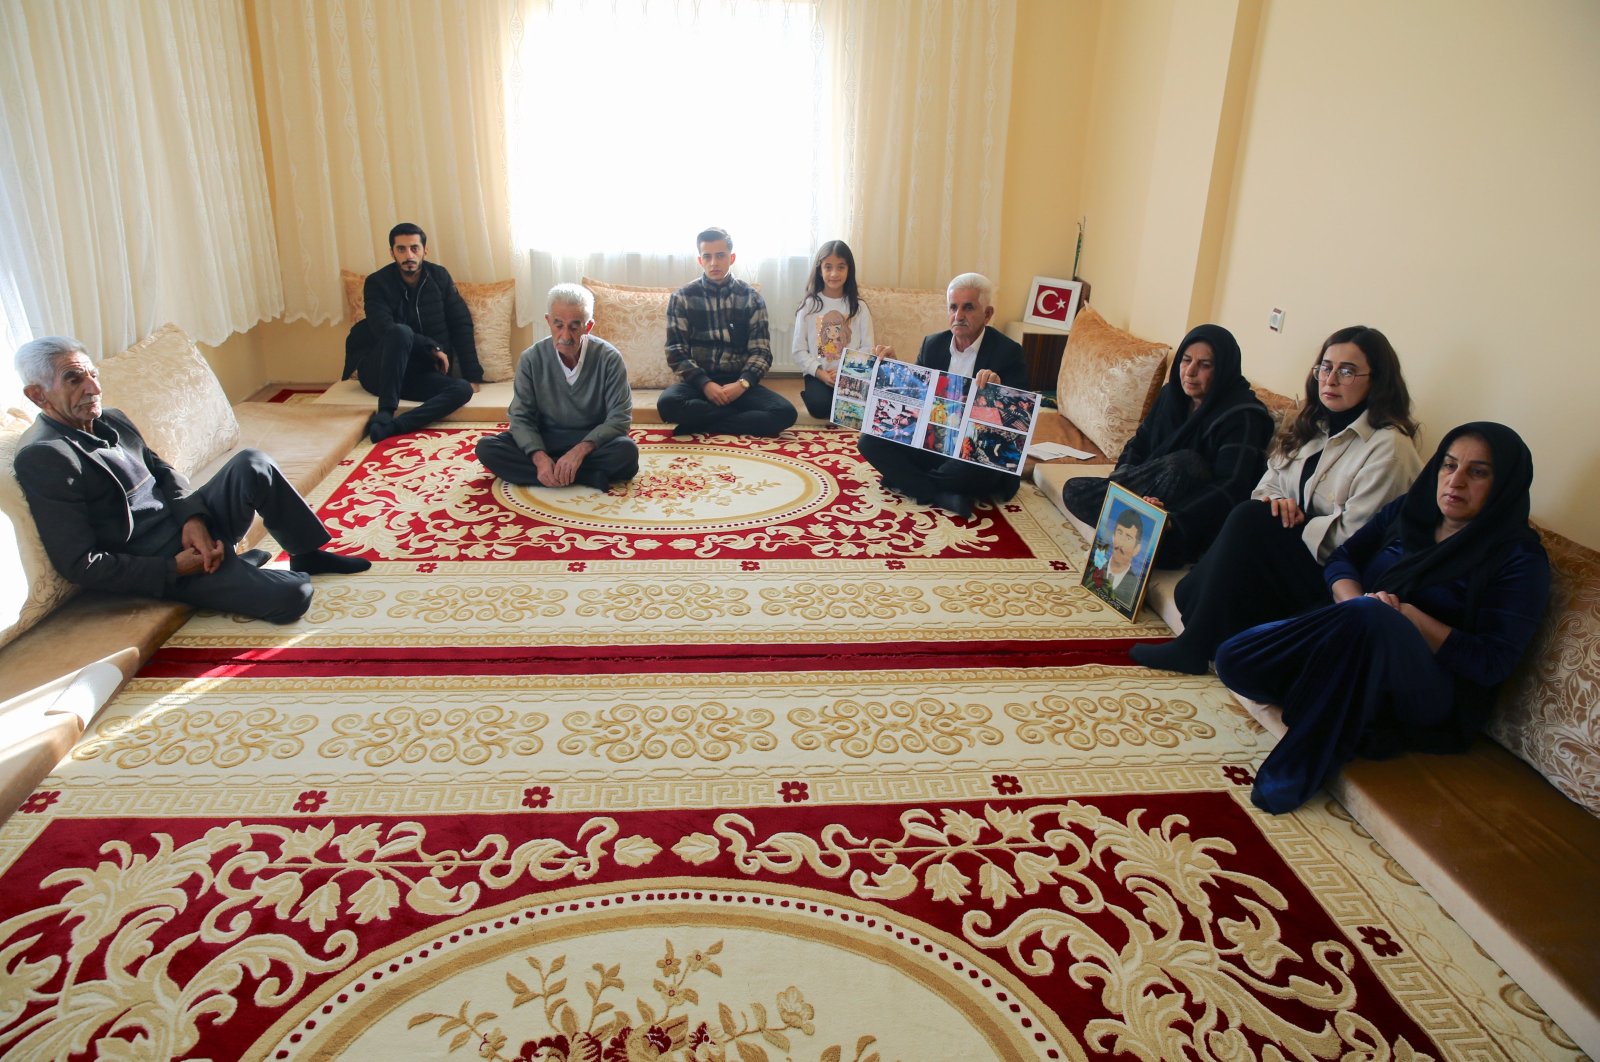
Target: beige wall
[1436,181]
[239,362]
[1052,75]
[1170,83]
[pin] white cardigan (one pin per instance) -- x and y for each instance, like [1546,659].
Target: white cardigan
[1361,470]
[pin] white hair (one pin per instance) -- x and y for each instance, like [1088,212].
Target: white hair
[572,295]
[983,284]
[36,359]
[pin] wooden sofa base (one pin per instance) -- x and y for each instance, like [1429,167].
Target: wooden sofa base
[120,633]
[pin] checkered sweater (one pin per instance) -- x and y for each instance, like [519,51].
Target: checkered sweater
[718,331]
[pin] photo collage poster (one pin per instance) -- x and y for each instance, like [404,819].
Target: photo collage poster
[935,411]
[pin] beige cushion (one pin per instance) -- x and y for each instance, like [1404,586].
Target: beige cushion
[1547,713]
[29,585]
[634,320]
[1282,407]
[904,317]
[170,393]
[1109,378]
[492,305]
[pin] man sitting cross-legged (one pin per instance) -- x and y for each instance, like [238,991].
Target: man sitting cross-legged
[969,348]
[719,345]
[571,406]
[114,516]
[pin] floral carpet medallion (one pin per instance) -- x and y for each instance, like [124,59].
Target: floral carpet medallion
[804,496]
[741,785]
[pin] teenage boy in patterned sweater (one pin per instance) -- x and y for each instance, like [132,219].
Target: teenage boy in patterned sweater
[719,345]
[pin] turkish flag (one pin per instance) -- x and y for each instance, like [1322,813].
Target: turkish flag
[1051,303]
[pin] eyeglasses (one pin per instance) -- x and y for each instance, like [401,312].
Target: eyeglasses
[1324,369]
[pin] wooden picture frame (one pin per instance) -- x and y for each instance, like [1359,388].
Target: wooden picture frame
[1053,303]
[1122,555]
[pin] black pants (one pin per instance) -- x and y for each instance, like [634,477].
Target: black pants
[924,475]
[606,464]
[759,411]
[250,483]
[1255,572]
[817,396]
[402,365]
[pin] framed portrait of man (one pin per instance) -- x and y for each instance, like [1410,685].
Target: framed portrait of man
[1122,554]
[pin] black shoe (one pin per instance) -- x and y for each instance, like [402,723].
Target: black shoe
[381,425]
[1169,656]
[321,562]
[959,504]
[255,557]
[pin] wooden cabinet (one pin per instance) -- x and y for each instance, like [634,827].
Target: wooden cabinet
[1041,351]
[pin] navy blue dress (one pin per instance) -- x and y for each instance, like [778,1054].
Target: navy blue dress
[1356,678]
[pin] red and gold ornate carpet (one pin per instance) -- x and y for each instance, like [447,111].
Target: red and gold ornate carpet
[750,759]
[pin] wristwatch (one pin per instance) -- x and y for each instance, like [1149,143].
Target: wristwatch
[744,383]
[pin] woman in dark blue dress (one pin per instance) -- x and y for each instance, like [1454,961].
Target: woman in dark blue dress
[1435,601]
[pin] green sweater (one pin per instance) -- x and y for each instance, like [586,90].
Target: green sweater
[599,402]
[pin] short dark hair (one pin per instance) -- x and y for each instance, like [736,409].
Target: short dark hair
[712,235]
[1129,518]
[406,228]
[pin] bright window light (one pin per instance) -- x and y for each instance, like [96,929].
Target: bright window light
[639,122]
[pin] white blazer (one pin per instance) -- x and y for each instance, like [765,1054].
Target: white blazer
[1361,470]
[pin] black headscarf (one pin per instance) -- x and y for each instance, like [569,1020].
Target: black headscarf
[1177,424]
[1471,551]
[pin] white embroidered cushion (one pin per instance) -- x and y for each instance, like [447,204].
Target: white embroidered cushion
[634,320]
[904,317]
[1108,381]
[170,393]
[29,585]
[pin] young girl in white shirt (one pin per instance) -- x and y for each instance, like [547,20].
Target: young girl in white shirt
[831,318]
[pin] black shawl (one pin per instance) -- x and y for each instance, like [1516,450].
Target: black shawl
[1471,551]
[1174,422]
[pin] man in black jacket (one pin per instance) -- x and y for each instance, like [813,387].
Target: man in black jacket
[416,326]
[114,516]
[971,348]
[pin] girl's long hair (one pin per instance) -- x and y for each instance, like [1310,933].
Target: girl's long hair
[814,286]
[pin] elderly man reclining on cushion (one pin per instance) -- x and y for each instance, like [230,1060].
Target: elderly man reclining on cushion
[114,516]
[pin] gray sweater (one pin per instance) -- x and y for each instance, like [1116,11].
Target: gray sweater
[599,402]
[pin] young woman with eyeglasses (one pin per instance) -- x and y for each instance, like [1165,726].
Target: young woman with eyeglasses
[1348,452]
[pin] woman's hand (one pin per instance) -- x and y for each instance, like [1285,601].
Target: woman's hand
[1288,510]
[1433,631]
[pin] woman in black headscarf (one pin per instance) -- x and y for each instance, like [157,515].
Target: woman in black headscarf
[1435,601]
[1198,452]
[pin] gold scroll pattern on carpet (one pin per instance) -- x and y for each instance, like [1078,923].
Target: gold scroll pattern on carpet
[746,606]
[540,724]
[1173,951]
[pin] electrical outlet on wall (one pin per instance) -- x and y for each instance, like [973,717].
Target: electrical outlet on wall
[1275,320]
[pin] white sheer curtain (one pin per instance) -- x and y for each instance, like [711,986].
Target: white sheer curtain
[789,122]
[378,113]
[923,100]
[132,185]
[638,123]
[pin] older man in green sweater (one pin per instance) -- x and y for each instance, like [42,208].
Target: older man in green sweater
[571,408]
